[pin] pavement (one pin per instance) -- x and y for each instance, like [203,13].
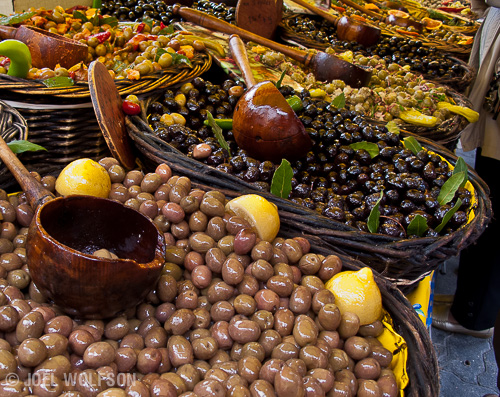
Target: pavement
[467,364]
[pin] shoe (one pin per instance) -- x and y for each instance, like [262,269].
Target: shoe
[440,320]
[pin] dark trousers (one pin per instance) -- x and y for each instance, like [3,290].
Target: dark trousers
[477,298]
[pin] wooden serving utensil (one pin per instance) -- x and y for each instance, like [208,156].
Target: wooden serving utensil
[262,18]
[108,109]
[47,49]
[264,124]
[325,67]
[347,29]
[64,233]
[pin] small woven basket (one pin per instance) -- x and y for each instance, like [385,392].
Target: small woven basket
[13,126]
[403,261]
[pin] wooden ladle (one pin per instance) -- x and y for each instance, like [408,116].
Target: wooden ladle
[264,124]
[325,67]
[347,29]
[66,230]
[47,49]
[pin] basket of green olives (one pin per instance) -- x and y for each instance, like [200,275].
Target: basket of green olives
[141,56]
[335,186]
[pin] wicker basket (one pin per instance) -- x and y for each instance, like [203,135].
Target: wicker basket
[403,261]
[459,56]
[13,126]
[178,74]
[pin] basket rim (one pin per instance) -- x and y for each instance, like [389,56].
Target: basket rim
[201,63]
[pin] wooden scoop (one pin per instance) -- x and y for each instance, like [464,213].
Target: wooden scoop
[264,124]
[325,67]
[347,29]
[64,233]
[262,19]
[47,49]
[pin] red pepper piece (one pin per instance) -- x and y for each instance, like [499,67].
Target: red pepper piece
[4,61]
[140,27]
[134,41]
[102,37]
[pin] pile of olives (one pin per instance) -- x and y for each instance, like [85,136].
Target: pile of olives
[333,179]
[422,59]
[230,315]
[137,10]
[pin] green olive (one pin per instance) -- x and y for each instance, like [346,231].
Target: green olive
[88,25]
[100,50]
[92,41]
[165,60]
[61,72]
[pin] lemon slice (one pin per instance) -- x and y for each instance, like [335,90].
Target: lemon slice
[259,212]
[357,292]
[85,177]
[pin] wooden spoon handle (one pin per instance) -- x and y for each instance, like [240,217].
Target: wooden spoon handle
[36,193]
[363,9]
[240,56]
[210,22]
[318,11]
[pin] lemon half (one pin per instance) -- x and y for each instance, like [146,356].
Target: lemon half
[259,212]
[85,177]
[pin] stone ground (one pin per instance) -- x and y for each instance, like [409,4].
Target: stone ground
[467,364]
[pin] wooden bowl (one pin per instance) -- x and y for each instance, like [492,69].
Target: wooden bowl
[61,239]
[49,49]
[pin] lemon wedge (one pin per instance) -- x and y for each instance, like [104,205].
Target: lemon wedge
[259,212]
[357,292]
[85,177]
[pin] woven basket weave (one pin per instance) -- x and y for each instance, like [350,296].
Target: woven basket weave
[13,126]
[403,261]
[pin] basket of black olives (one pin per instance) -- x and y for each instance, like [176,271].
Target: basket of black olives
[335,187]
[423,57]
[185,336]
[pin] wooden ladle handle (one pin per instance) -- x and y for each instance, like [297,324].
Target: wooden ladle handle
[318,11]
[35,192]
[210,22]
[240,56]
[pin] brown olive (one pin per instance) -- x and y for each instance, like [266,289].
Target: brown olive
[388,386]
[374,329]
[349,325]
[7,364]
[263,318]
[148,360]
[244,331]
[99,354]
[232,271]
[209,388]
[368,387]
[180,351]
[285,351]
[162,387]
[312,387]
[300,300]
[367,368]
[288,383]
[56,344]
[180,321]
[32,352]
[267,300]
[281,285]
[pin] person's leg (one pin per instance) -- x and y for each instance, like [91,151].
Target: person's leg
[477,298]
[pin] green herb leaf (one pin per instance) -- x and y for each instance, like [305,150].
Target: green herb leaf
[111,21]
[392,127]
[16,18]
[401,107]
[95,19]
[339,101]
[281,184]
[370,147]
[418,226]
[167,30]
[97,4]
[412,144]
[148,21]
[450,187]
[461,166]
[280,80]
[119,66]
[448,216]
[179,58]
[24,146]
[374,217]
[80,15]
[218,133]
[59,81]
